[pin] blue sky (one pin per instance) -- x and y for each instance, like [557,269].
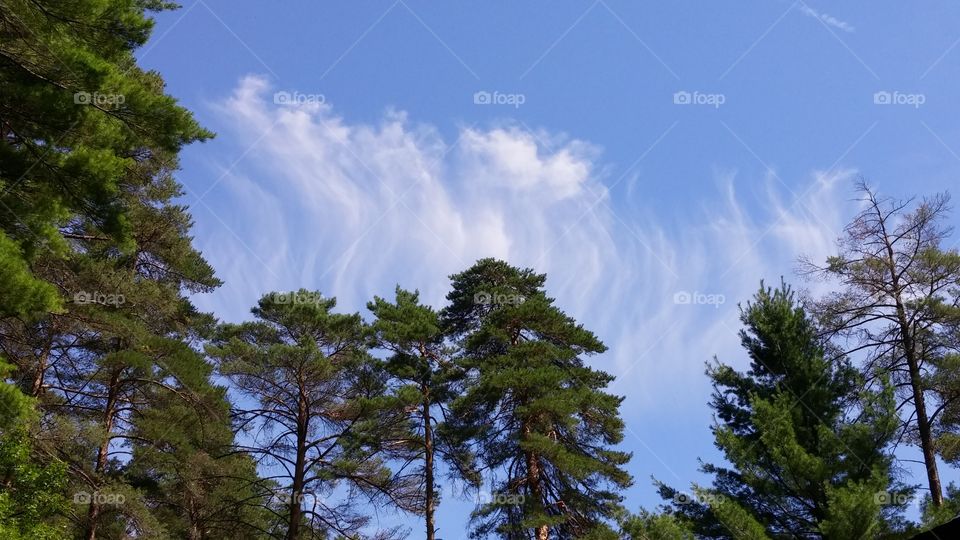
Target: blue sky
[632,151]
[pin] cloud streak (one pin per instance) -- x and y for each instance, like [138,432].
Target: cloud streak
[827,19]
[352,209]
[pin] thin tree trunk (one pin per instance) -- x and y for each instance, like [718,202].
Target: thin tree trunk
[923,421]
[103,452]
[542,532]
[428,463]
[195,532]
[926,437]
[533,477]
[296,512]
[37,387]
[916,383]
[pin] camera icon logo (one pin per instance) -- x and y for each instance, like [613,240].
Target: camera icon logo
[482,98]
[682,98]
[882,98]
[884,498]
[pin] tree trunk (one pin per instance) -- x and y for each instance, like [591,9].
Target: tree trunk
[103,453]
[926,437]
[296,512]
[37,387]
[533,481]
[916,384]
[923,421]
[533,476]
[195,532]
[428,463]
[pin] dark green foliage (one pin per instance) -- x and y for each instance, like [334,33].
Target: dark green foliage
[532,411]
[184,462]
[77,115]
[319,410]
[422,374]
[95,266]
[808,449]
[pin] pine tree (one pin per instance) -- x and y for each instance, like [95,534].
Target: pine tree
[183,463]
[90,364]
[654,526]
[899,306]
[31,490]
[76,116]
[95,260]
[532,410]
[317,408]
[412,333]
[808,448]
[119,338]
[420,364]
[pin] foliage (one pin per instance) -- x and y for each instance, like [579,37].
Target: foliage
[320,415]
[532,410]
[898,307]
[808,448]
[31,491]
[653,526]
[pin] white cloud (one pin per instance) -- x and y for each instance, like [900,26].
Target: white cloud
[512,158]
[352,209]
[827,19]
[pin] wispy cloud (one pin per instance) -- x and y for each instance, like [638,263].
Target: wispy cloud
[352,209]
[827,19]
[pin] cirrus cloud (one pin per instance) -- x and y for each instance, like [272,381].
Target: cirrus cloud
[353,208]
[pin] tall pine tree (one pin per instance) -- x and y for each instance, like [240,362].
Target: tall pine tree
[184,465]
[532,410]
[898,307]
[313,410]
[421,367]
[77,115]
[809,450]
[96,261]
